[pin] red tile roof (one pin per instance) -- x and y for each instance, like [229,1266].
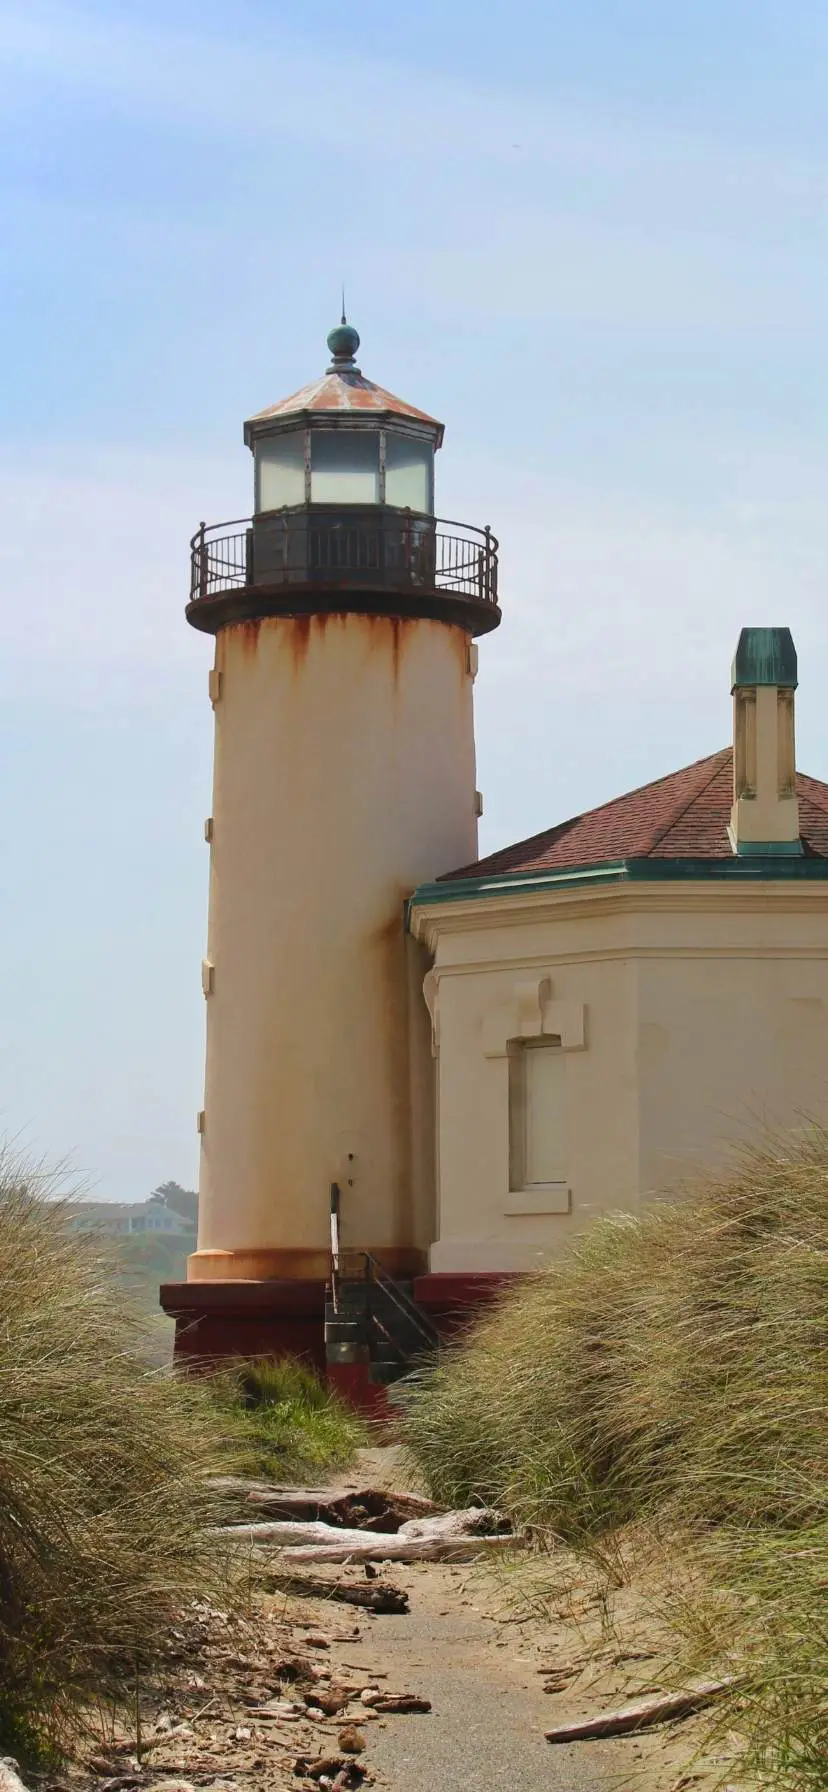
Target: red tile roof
[683,816]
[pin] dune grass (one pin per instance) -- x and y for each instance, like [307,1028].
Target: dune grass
[283,1423]
[671,1370]
[103,1466]
[105,1471]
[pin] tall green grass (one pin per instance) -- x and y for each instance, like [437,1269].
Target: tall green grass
[671,1370]
[283,1423]
[103,1467]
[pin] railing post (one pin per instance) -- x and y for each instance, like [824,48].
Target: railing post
[202,561]
[335,1245]
[488,538]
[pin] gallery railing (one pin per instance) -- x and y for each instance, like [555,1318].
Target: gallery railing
[366,546]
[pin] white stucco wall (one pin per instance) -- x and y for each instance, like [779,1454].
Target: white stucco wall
[703,1012]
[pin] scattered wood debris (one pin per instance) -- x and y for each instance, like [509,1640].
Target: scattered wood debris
[400,1701]
[351,1740]
[339,1772]
[239,1696]
[644,1714]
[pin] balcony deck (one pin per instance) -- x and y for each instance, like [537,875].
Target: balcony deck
[363,557]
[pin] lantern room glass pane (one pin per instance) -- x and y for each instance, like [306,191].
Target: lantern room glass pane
[280,470]
[409,472]
[345,466]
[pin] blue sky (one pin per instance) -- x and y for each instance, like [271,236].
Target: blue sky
[591,238]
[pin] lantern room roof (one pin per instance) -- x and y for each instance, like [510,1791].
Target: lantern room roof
[337,392]
[343,388]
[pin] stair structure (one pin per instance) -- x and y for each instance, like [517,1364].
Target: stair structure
[371,1318]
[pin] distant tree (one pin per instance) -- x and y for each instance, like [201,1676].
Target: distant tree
[178,1199]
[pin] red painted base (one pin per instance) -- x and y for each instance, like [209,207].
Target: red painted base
[220,1319]
[287,1318]
[352,1382]
[453,1300]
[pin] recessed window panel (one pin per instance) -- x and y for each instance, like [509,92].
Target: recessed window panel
[344,466]
[409,466]
[280,470]
[537,1114]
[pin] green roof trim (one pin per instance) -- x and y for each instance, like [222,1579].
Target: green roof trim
[781,849]
[770,867]
[764,656]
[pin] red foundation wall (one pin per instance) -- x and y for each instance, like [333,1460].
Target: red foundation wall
[287,1318]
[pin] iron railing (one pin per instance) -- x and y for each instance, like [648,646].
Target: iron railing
[378,1277]
[358,1265]
[373,547]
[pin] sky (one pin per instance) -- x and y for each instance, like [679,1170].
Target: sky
[592,239]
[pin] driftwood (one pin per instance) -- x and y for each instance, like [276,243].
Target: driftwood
[338,1771]
[394,1549]
[400,1701]
[644,1714]
[378,1596]
[10,1780]
[370,1509]
[451,1536]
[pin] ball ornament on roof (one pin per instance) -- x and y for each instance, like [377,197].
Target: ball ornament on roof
[343,342]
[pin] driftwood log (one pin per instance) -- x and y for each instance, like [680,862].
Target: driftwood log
[395,1549]
[451,1536]
[370,1509]
[644,1714]
[400,1702]
[373,1596]
[10,1780]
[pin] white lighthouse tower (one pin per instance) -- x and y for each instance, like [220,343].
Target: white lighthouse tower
[344,775]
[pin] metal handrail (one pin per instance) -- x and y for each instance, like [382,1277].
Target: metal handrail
[375,1272]
[335,1252]
[395,548]
[409,1308]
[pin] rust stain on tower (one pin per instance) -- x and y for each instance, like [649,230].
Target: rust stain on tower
[248,634]
[298,630]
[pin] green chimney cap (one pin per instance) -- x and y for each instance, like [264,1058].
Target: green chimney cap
[764,656]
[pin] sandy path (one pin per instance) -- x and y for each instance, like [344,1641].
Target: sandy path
[485,1732]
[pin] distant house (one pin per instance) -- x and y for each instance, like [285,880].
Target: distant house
[119,1219]
[153,1217]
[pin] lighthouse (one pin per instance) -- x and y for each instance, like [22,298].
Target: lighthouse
[344,614]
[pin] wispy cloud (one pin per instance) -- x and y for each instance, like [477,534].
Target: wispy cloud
[281,88]
[542,211]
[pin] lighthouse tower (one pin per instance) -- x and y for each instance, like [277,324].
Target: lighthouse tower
[344,616]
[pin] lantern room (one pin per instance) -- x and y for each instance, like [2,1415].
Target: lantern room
[343,441]
[343,514]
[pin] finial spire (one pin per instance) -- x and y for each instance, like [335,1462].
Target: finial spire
[343,342]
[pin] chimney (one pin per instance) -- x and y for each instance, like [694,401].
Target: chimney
[765,813]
